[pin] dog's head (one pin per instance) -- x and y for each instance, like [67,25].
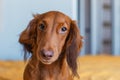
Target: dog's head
[50,35]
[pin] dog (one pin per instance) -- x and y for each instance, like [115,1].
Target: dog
[53,40]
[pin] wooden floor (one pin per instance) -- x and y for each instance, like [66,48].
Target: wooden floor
[90,68]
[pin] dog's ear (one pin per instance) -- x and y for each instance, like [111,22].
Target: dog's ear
[28,37]
[74,44]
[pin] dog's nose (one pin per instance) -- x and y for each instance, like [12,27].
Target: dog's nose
[47,54]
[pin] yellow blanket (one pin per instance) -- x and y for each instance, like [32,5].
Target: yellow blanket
[89,68]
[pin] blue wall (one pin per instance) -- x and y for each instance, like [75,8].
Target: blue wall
[16,14]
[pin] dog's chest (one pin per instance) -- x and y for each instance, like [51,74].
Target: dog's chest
[53,76]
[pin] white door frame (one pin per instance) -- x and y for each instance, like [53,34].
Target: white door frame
[116,27]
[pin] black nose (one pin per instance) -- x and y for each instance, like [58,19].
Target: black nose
[47,54]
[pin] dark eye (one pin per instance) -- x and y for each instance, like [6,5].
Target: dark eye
[41,26]
[63,30]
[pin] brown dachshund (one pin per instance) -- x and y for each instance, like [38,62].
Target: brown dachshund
[54,42]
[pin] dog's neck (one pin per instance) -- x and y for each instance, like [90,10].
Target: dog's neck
[54,71]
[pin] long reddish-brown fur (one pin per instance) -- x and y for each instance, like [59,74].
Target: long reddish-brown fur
[54,42]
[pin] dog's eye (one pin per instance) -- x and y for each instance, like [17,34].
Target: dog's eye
[63,29]
[41,26]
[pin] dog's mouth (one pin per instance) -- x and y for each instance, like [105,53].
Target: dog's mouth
[45,60]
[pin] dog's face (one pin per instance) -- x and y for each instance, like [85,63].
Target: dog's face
[51,34]
[52,30]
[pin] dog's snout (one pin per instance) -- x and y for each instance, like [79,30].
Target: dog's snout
[47,54]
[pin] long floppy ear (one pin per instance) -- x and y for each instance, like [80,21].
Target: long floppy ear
[74,43]
[28,36]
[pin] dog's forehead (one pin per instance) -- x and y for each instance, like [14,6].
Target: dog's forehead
[56,16]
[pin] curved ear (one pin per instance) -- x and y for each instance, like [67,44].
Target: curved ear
[28,36]
[74,43]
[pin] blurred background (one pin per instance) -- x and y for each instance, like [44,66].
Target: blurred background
[98,20]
